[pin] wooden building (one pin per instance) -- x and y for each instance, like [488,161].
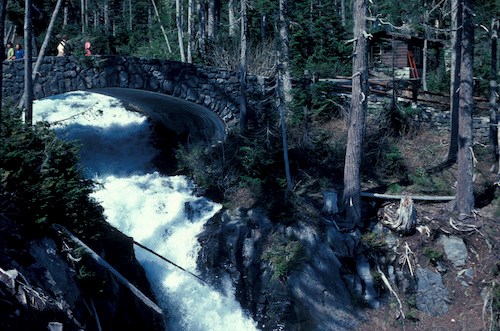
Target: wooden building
[405,52]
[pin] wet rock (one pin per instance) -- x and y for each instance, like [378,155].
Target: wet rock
[363,269]
[312,296]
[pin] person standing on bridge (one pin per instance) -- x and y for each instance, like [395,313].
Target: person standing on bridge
[61,48]
[88,47]
[19,52]
[10,52]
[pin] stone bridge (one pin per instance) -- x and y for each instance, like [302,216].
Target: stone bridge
[210,94]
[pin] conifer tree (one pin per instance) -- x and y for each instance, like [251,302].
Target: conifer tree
[359,102]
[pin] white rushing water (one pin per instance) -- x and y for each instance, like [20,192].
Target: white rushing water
[160,212]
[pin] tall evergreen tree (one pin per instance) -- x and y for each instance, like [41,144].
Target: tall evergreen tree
[243,68]
[456,42]
[28,70]
[3,5]
[465,196]
[284,86]
[359,102]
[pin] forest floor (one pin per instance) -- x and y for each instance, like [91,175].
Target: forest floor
[474,302]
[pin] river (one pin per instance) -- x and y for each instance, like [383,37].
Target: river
[158,211]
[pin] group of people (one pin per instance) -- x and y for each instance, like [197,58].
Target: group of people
[14,53]
[18,51]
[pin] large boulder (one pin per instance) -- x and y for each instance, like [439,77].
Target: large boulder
[309,296]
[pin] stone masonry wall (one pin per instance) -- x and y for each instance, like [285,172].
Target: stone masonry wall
[214,88]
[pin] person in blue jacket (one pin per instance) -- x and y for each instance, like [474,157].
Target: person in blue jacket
[19,52]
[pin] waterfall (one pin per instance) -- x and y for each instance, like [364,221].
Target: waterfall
[160,212]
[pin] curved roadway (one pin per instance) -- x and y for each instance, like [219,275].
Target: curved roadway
[182,117]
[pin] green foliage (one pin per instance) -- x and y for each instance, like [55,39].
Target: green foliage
[373,242]
[438,81]
[394,188]
[237,162]
[429,184]
[393,160]
[283,255]
[432,253]
[42,176]
[317,39]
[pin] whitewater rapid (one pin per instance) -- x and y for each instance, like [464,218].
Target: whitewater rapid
[160,212]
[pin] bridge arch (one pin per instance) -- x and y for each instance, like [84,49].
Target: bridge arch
[213,88]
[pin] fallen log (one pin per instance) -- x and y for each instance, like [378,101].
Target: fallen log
[414,197]
[106,265]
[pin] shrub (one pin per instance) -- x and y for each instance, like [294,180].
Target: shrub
[42,176]
[373,242]
[432,254]
[283,255]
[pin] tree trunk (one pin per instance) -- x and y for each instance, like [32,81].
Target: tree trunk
[180,38]
[28,80]
[65,17]
[211,20]
[424,62]
[3,6]
[284,87]
[130,17]
[45,43]
[493,90]
[46,39]
[263,22]
[191,30]
[86,15]
[352,178]
[231,18]
[161,26]
[342,12]
[203,32]
[465,197]
[243,69]
[107,25]
[456,56]
[82,15]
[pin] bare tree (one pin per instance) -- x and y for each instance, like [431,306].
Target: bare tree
[203,32]
[161,26]
[211,20]
[107,24]
[130,17]
[231,18]
[82,14]
[180,33]
[465,196]
[28,79]
[342,12]
[493,90]
[191,30]
[243,120]
[352,178]
[45,43]
[456,42]
[3,5]
[284,86]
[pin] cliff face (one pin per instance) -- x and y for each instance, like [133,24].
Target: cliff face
[47,281]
